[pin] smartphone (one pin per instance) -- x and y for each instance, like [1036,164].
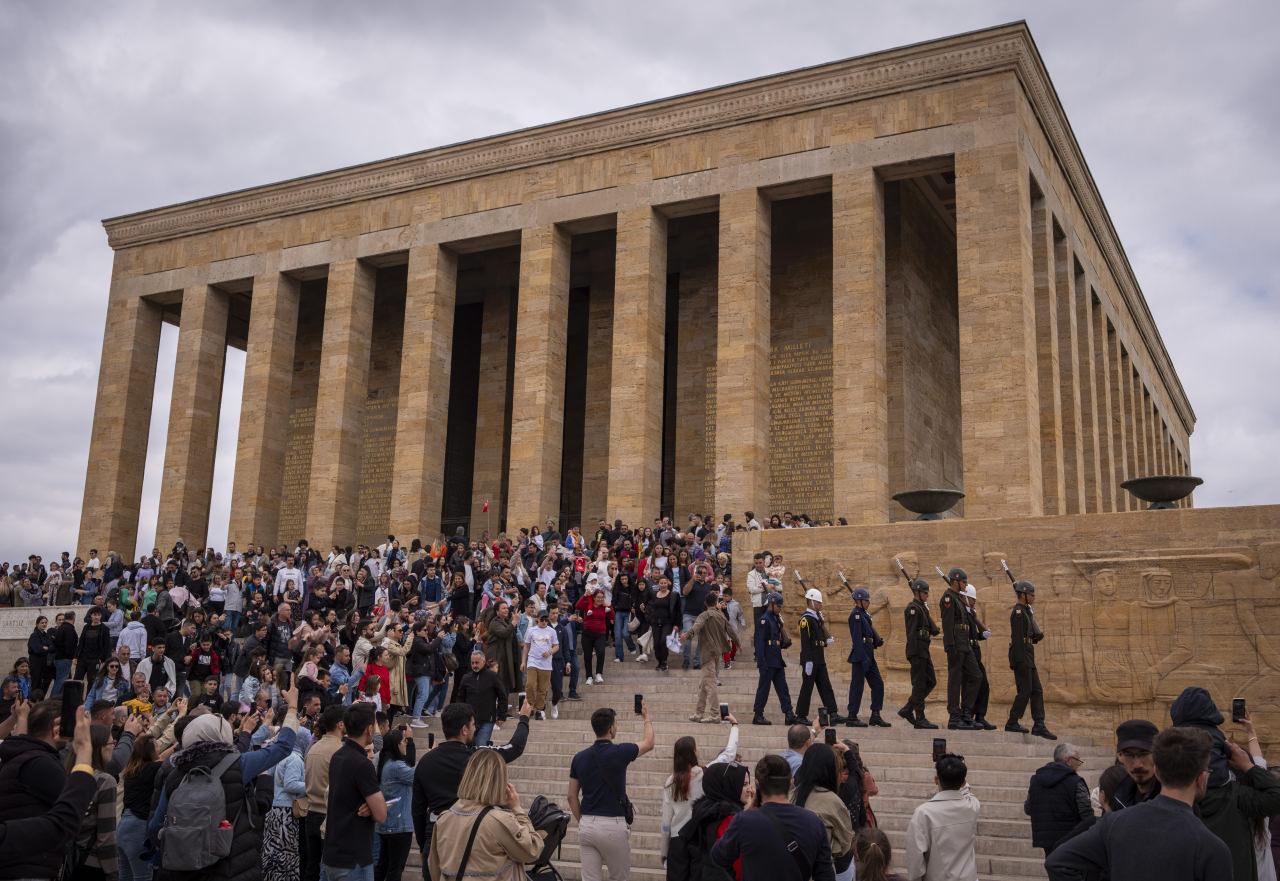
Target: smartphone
[72,700]
[639,704]
[724,711]
[1238,710]
[822,717]
[286,679]
[431,740]
[831,736]
[520,700]
[939,748]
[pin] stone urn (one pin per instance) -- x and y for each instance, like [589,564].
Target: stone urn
[930,504]
[1162,491]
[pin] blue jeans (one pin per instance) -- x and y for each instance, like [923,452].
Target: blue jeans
[422,688]
[359,873]
[484,730]
[688,651]
[620,633]
[61,670]
[233,621]
[435,700]
[131,837]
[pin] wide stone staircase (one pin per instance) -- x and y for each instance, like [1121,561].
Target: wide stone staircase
[1000,764]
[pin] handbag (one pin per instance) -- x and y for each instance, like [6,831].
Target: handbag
[300,807]
[628,809]
[673,642]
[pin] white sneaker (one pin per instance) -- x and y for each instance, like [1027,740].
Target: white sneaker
[640,659]
[417,722]
[587,681]
[617,660]
[599,678]
[555,711]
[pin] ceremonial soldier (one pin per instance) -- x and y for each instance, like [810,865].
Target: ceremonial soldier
[769,662]
[1024,633]
[862,655]
[977,634]
[963,677]
[814,640]
[920,629]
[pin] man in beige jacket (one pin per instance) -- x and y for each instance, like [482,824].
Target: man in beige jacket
[714,635]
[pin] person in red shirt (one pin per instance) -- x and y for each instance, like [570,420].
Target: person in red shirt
[375,665]
[597,620]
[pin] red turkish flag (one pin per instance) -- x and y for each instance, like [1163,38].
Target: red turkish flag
[484,509]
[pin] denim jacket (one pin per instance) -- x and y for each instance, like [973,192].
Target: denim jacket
[397,782]
[290,784]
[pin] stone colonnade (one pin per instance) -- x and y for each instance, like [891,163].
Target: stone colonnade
[1055,405]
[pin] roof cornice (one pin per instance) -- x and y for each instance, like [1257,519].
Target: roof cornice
[1007,48]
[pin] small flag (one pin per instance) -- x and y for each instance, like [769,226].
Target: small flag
[484,509]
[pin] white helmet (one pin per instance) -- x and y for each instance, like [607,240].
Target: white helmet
[813,595]
[970,591]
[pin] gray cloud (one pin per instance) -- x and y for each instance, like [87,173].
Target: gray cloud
[111,108]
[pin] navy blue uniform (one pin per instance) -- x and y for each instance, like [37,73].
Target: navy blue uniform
[772,668]
[864,641]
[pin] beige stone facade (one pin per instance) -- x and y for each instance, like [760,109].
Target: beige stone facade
[803,292]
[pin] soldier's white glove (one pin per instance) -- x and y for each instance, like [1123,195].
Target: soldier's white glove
[808,668]
[986,634]
[831,640]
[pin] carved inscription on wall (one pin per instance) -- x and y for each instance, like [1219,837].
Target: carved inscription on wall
[297,476]
[800,429]
[376,464]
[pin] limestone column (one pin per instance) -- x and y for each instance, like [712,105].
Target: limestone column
[1047,348]
[742,355]
[264,410]
[859,348]
[333,499]
[999,395]
[488,474]
[1110,485]
[537,416]
[121,423]
[186,487]
[1089,437]
[417,488]
[1124,459]
[1069,383]
[1131,418]
[639,338]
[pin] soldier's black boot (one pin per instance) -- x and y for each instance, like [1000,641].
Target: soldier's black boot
[1039,730]
[983,724]
[1015,728]
[836,719]
[877,721]
[760,720]
[855,722]
[908,713]
[800,720]
[959,723]
[921,722]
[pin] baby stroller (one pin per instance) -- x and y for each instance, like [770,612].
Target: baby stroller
[550,818]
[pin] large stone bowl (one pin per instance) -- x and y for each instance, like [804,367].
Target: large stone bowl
[928,503]
[1162,491]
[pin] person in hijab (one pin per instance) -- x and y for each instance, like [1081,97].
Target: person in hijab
[281,857]
[726,790]
[206,741]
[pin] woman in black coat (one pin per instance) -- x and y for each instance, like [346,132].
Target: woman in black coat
[664,613]
[40,654]
[94,646]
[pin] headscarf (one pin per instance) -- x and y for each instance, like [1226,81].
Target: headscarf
[209,728]
[721,797]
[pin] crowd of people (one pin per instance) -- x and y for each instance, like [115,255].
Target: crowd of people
[278,690]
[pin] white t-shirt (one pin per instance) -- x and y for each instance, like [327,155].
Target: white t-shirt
[541,642]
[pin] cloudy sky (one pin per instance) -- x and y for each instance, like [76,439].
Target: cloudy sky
[108,108]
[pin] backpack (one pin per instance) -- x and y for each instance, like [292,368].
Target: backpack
[196,832]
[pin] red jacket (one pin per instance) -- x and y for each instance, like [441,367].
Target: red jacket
[384,686]
[596,620]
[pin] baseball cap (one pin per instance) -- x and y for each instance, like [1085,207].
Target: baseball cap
[1135,734]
